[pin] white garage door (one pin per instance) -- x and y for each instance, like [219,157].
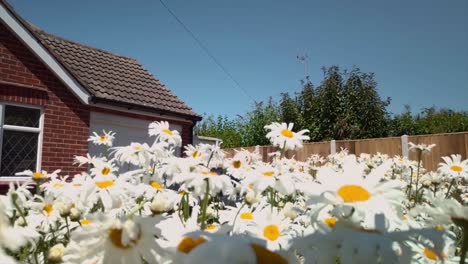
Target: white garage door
[127,130]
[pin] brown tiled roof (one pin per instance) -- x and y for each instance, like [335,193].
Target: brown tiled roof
[113,78]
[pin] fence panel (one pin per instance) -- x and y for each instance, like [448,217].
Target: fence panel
[446,144]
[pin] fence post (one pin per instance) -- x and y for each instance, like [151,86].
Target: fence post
[404,145]
[332,147]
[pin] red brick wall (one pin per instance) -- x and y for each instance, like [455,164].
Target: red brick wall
[25,79]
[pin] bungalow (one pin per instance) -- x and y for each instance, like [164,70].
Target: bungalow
[55,92]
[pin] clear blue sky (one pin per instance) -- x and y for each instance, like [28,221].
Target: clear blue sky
[418,49]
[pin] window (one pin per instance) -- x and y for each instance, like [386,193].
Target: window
[20,137]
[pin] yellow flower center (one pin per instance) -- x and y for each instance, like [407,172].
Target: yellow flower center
[271,232]
[196,154]
[115,236]
[353,193]
[250,186]
[430,254]
[287,133]
[330,221]
[246,216]
[48,208]
[210,173]
[167,131]
[137,148]
[156,185]
[103,138]
[210,227]
[57,185]
[264,256]
[105,184]
[187,244]
[85,222]
[268,173]
[236,164]
[37,175]
[105,171]
[440,227]
[456,168]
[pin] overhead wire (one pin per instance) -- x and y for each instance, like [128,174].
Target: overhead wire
[206,50]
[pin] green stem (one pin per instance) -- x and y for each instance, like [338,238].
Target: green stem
[20,212]
[464,247]
[68,228]
[417,177]
[450,187]
[410,184]
[38,188]
[209,160]
[186,206]
[237,214]
[283,150]
[135,209]
[205,205]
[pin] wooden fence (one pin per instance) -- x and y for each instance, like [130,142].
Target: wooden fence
[446,144]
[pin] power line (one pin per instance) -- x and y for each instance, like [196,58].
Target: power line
[206,50]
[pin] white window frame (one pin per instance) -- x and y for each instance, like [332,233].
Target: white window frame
[39,130]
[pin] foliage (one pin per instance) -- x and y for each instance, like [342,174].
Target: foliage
[345,105]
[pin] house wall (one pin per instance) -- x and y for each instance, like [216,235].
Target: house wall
[24,79]
[127,130]
[185,128]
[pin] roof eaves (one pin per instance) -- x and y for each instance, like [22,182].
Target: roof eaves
[21,28]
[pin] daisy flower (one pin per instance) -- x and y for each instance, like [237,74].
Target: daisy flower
[162,132]
[105,138]
[38,176]
[272,227]
[226,249]
[115,241]
[136,154]
[217,183]
[423,148]
[82,160]
[193,152]
[103,168]
[349,191]
[281,135]
[454,166]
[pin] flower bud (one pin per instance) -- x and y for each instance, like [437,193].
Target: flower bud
[64,209]
[20,222]
[161,203]
[56,253]
[75,214]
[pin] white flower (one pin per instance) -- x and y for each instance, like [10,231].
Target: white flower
[38,176]
[115,241]
[232,250]
[103,168]
[349,192]
[423,148]
[105,139]
[162,132]
[281,135]
[272,227]
[136,154]
[217,183]
[454,166]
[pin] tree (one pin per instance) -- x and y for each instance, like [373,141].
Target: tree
[366,113]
